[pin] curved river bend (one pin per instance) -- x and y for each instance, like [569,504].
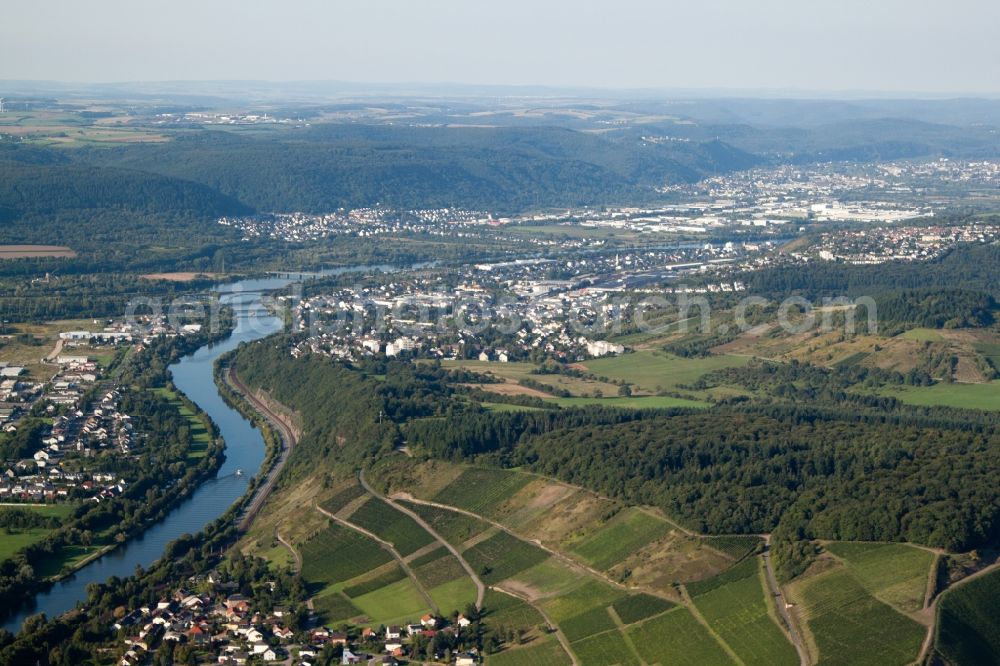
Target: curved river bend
[244,451]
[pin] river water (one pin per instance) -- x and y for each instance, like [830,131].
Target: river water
[244,451]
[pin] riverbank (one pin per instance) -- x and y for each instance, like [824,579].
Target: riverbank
[280,435]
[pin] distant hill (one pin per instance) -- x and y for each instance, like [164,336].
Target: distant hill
[503,169]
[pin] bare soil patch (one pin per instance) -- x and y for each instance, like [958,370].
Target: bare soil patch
[179,276]
[31,251]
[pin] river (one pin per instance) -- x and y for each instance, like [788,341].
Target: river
[244,451]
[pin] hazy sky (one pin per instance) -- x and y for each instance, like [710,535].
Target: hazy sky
[936,46]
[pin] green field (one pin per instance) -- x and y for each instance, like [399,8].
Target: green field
[737,611]
[895,573]
[639,607]
[454,595]
[991,352]
[440,570]
[200,436]
[398,602]
[968,630]
[507,407]
[541,652]
[586,624]
[333,608]
[338,554]
[852,627]
[620,537]
[922,335]
[453,527]
[604,650]
[372,583]
[961,396]
[635,402]
[481,491]
[574,603]
[502,556]
[676,638]
[551,577]
[391,525]
[655,371]
[15,540]
[54,510]
[503,610]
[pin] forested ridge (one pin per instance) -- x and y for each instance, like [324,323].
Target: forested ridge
[966,267]
[504,169]
[880,471]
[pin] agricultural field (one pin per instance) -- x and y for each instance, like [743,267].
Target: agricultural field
[506,407]
[604,650]
[502,556]
[343,497]
[638,607]
[736,547]
[332,607]
[34,251]
[961,396]
[454,595]
[482,491]
[656,371]
[850,626]
[632,402]
[540,652]
[338,554]
[968,632]
[590,594]
[453,527]
[71,130]
[504,610]
[512,373]
[549,578]
[588,623]
[392,603]
[445,580]
[391,525]
[736,609]
[676,637]
[624,534]
[387,576]
[894,573]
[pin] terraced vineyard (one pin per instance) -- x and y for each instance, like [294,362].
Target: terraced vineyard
[503,610]
[735,608]
[895,573]
[338,554]
[452,526]
[850,626]
[342,498]
[736,547]
[607,648]
[639,607]
[968,632]
[676,637]
[626,533]
[502,556]
[394,526]
[481,491]
[545,652]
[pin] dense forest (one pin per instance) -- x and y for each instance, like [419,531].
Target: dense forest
[881,471]
[967,267]
[331,166]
